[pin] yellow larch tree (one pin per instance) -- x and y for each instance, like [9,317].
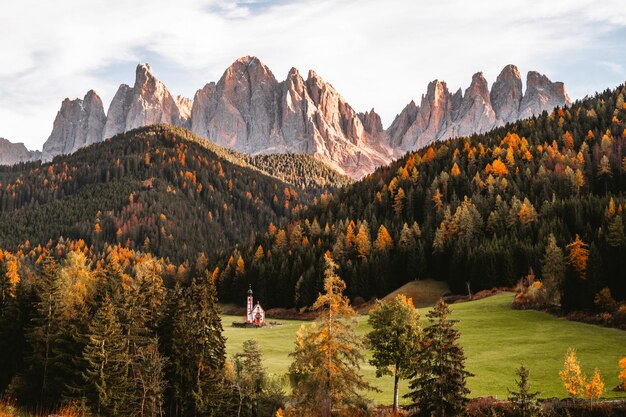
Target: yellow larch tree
[499,168]
[622,372]
[362,241]
[572,376]
[578,253]
[327,355]
[383,239]
[437,200]
[455,170]
[595,387]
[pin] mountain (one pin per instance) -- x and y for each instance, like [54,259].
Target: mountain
[78,123]
[250,111]
[13,153]
[147,102]
[442,115]
[476,211]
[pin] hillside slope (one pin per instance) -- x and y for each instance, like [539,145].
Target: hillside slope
[474,211]
[157,188]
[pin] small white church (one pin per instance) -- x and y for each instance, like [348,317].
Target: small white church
[255,315]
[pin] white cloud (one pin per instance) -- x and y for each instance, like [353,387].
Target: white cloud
[375,53]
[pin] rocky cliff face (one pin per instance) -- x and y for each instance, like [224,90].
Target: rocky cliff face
[13,153]
[442,115]
[541,94]
[147,102]
[78,123]
[506,95]
[249,110]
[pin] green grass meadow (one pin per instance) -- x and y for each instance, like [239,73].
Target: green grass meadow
[496,340]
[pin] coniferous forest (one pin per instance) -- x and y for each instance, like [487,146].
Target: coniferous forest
[477,212]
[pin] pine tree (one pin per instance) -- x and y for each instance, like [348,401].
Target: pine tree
[438,374]
[398,201]
[524,401]
[251,377]
[553,270]
[149,379]
[198,351]
[615,232]
[327,356]
[394,339]
[106,377]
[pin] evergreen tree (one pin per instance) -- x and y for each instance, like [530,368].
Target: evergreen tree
[438,375]
[524,401]
[251,377]
[198,352]
[107,385]
[149,378]
[553,270]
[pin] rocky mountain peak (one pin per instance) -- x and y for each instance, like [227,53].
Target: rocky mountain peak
[372,122]
[250,111]
[506,94]
[13,153]
[479,88]
[541,95]
[78,123]
[441,115]
[147,102]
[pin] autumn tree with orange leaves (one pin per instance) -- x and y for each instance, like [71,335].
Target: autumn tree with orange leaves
[595,387]
[578,253]
[327,356]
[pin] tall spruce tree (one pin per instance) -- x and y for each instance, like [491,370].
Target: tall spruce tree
[199,352]
[107,385]
[251,377]
[438,381]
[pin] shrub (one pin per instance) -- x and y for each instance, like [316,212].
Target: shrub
[604,301]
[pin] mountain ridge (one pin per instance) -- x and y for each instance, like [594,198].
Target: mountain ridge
[249,110]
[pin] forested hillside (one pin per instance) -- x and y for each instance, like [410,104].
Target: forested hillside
[157,189]
[301,170]
[475,211]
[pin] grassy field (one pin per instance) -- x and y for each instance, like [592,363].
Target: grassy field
[496,340]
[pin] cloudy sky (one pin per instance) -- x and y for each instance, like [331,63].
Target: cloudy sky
[376,53]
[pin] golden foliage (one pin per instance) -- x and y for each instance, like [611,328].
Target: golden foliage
[429,155]
[595,387]
[571,375]
[622,372]
[437,200]
[499,168]
[568,140]
[384,240]
[578,255]
[455,170]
